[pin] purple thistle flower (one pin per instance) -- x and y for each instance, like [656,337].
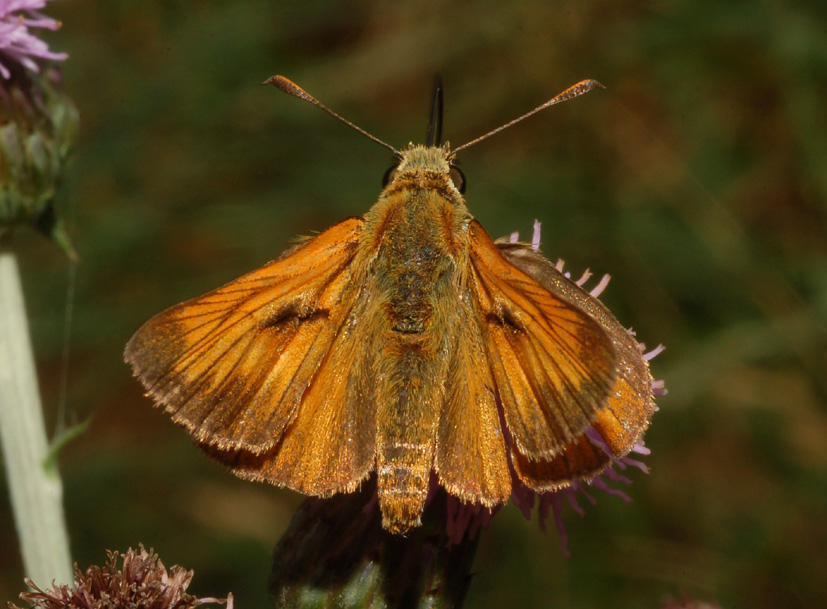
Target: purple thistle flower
[17,43]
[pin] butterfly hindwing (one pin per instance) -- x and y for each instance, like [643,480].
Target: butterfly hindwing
[471,458]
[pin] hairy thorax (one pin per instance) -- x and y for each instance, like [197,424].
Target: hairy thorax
[420,228]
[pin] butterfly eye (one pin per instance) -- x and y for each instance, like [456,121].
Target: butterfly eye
[388,177]
[458,178]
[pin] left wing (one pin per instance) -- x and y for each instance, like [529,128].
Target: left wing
[233,365]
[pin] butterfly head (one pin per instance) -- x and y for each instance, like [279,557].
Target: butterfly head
[433,163]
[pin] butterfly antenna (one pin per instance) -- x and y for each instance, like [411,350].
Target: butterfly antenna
[291,88]
[584,86]
[434,137]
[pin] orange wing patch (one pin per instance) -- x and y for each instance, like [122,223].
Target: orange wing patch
[631,403]
[330,445]
[232,366]
[580,460]
[553,365]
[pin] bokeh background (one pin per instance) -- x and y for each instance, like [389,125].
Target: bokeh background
[698,180]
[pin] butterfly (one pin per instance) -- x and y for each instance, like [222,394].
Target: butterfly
[407,343]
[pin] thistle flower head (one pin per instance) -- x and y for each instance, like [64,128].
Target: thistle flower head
[142,582]
[38,123]
[17,42]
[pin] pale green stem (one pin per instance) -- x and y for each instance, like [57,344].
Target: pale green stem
[36,490]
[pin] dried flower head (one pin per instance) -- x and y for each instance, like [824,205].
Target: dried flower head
[142,583]
[17,43]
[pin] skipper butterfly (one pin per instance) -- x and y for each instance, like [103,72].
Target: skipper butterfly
[407,343]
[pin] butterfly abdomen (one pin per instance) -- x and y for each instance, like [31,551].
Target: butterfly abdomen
[414,270]
[410,399]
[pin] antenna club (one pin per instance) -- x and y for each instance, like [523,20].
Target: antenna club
[584,86]
[576,90]
[288,86]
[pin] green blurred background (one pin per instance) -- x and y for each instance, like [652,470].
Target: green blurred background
[698,179]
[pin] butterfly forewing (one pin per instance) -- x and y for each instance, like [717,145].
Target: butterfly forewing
[232,365]
[553,364]
[330,445]
[630,404]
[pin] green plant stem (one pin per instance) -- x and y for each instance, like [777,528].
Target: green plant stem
[36,491]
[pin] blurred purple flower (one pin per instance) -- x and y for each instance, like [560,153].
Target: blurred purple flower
[17,43]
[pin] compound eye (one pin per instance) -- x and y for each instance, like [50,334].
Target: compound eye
[458,178]
[388,177]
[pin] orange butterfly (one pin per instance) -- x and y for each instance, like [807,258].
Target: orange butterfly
[406,342]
